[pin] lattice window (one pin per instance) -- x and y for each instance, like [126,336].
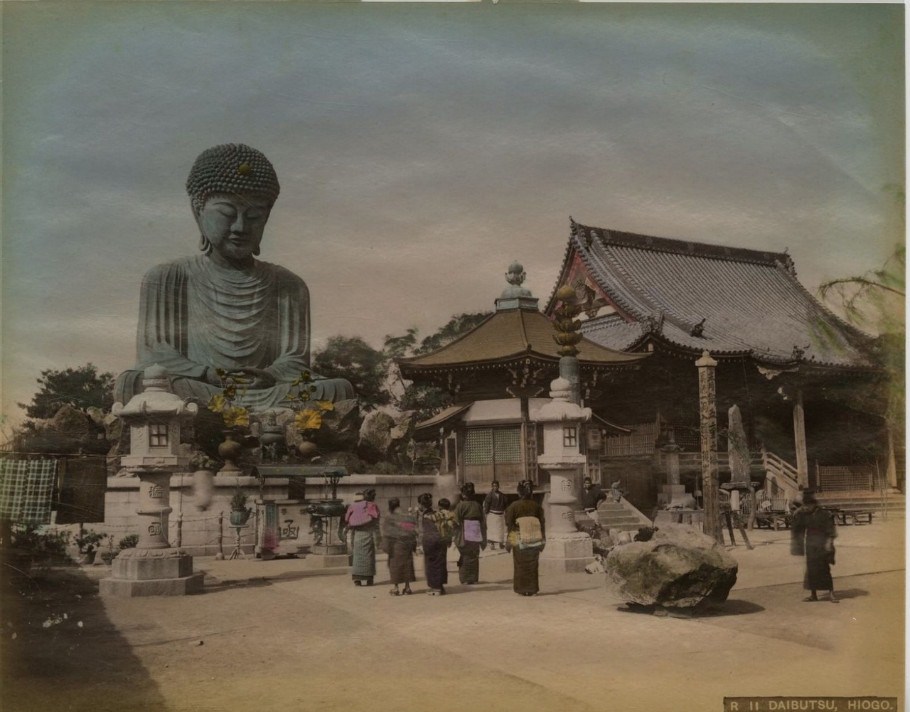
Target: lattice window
[570,436]
[507,442]
[484,446]
[478,446]
[158,434]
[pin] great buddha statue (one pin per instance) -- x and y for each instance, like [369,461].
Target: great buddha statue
[224,309]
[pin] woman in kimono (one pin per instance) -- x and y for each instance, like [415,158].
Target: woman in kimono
[399,540]
[813,532]
[434,545]
[470,535]
[526,538]
[362,518]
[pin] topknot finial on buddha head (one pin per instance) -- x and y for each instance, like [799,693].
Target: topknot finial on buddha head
[231,168]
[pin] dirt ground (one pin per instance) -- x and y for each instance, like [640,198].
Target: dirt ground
[265,636]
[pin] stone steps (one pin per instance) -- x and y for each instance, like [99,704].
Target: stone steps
[614,515]
[892,503]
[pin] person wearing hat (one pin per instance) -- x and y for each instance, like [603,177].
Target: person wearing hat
[224,312]
[813,532]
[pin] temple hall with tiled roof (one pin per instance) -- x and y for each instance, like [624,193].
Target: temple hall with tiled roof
[808,384]
[692,297]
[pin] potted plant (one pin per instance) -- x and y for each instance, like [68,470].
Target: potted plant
[87,541]
[32,545]
[308,418]
[236,418]
[240,513]
[128,542]
[108,556]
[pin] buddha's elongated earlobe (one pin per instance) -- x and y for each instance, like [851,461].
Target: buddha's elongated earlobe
[256,251]
[204,244]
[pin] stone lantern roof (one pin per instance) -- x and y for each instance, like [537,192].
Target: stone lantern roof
[561,408]
[156,400]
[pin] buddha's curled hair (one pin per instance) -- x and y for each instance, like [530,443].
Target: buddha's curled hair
[231,168]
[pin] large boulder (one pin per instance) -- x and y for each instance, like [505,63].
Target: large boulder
[385,437]
[679,567]
[340,427]
[375,436]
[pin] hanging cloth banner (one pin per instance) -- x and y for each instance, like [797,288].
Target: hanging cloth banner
[83,483]
[26,487]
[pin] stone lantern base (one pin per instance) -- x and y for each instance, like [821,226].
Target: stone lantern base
[567,553]
[152,572]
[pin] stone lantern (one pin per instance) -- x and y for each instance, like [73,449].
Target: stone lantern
[567,549]
[153,567]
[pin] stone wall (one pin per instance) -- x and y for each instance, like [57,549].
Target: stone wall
[199,527]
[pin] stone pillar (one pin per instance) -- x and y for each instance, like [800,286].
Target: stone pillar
[799,439]
[154,508]
[673,489]
[707,402]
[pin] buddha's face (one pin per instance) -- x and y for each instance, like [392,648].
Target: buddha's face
[234,224]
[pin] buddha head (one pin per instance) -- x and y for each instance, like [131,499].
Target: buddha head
[232,188]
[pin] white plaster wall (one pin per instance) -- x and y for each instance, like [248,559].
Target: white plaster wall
[200,528]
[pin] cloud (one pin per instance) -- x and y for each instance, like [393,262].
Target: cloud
[421,150]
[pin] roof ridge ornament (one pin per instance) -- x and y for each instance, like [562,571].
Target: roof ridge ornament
[515,296]
[655,322]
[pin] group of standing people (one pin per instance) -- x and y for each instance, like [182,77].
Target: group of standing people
[470,526]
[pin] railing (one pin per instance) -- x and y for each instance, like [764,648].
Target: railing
[845,478]
[781,478]
[634,444]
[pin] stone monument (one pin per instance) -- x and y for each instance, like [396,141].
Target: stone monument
[224,309]
[153,567]
[567,549]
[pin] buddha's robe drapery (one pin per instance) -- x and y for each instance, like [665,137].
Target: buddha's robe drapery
[194,314]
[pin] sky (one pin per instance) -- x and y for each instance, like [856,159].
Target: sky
[421,148]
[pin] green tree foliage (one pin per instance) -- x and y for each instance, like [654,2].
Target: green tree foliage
[874,301]
[81,387]
[426,400]
[354,359]
[374,373]
[456,326]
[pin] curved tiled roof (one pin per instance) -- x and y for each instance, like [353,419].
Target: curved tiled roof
[510,334]
[695,296]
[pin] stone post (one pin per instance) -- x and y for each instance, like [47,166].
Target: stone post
[799,440]
[673,489]
[707,403]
